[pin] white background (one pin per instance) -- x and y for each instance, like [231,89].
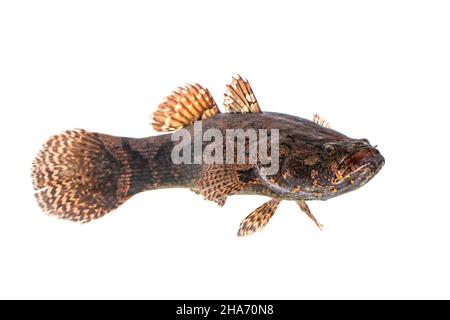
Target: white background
[374,69]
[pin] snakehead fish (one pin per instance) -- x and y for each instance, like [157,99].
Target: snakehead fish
[80,175]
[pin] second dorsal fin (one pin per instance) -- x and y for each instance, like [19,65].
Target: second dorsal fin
[183,107]
[239,97]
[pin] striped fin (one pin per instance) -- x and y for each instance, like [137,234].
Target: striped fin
[80,175]
[321,121]
[183,107]
[239,97]
[259,218]
[220,181]
[304,207]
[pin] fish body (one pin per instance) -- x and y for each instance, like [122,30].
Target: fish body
[81,175]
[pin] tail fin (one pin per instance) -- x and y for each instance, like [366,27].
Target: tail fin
[80,175]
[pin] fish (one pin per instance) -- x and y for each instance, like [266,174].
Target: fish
[81,175]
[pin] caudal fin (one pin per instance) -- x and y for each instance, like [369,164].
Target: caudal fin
[80,175]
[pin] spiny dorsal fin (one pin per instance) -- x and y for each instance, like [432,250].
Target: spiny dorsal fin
[259,218]
[321,121]
[183,107]
[239,97]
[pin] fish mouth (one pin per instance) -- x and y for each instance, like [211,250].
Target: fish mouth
[364,162]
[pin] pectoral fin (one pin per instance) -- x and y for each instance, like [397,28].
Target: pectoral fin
[304,207]
[220,181]
[259,218]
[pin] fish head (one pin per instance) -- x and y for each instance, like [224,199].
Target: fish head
[350,165]
[325,168]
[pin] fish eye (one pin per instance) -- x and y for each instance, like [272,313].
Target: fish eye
[329,149]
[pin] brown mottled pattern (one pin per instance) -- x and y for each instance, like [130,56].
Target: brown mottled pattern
[219,182]
[80,175]
[259,218]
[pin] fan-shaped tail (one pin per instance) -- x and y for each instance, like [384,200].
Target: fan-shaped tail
[80,175]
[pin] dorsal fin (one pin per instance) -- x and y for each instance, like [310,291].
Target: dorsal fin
[321,121]
[183,107]
[239,97]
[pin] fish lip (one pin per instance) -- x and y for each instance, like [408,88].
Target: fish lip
[367,147]
[372,162]
[360,168]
